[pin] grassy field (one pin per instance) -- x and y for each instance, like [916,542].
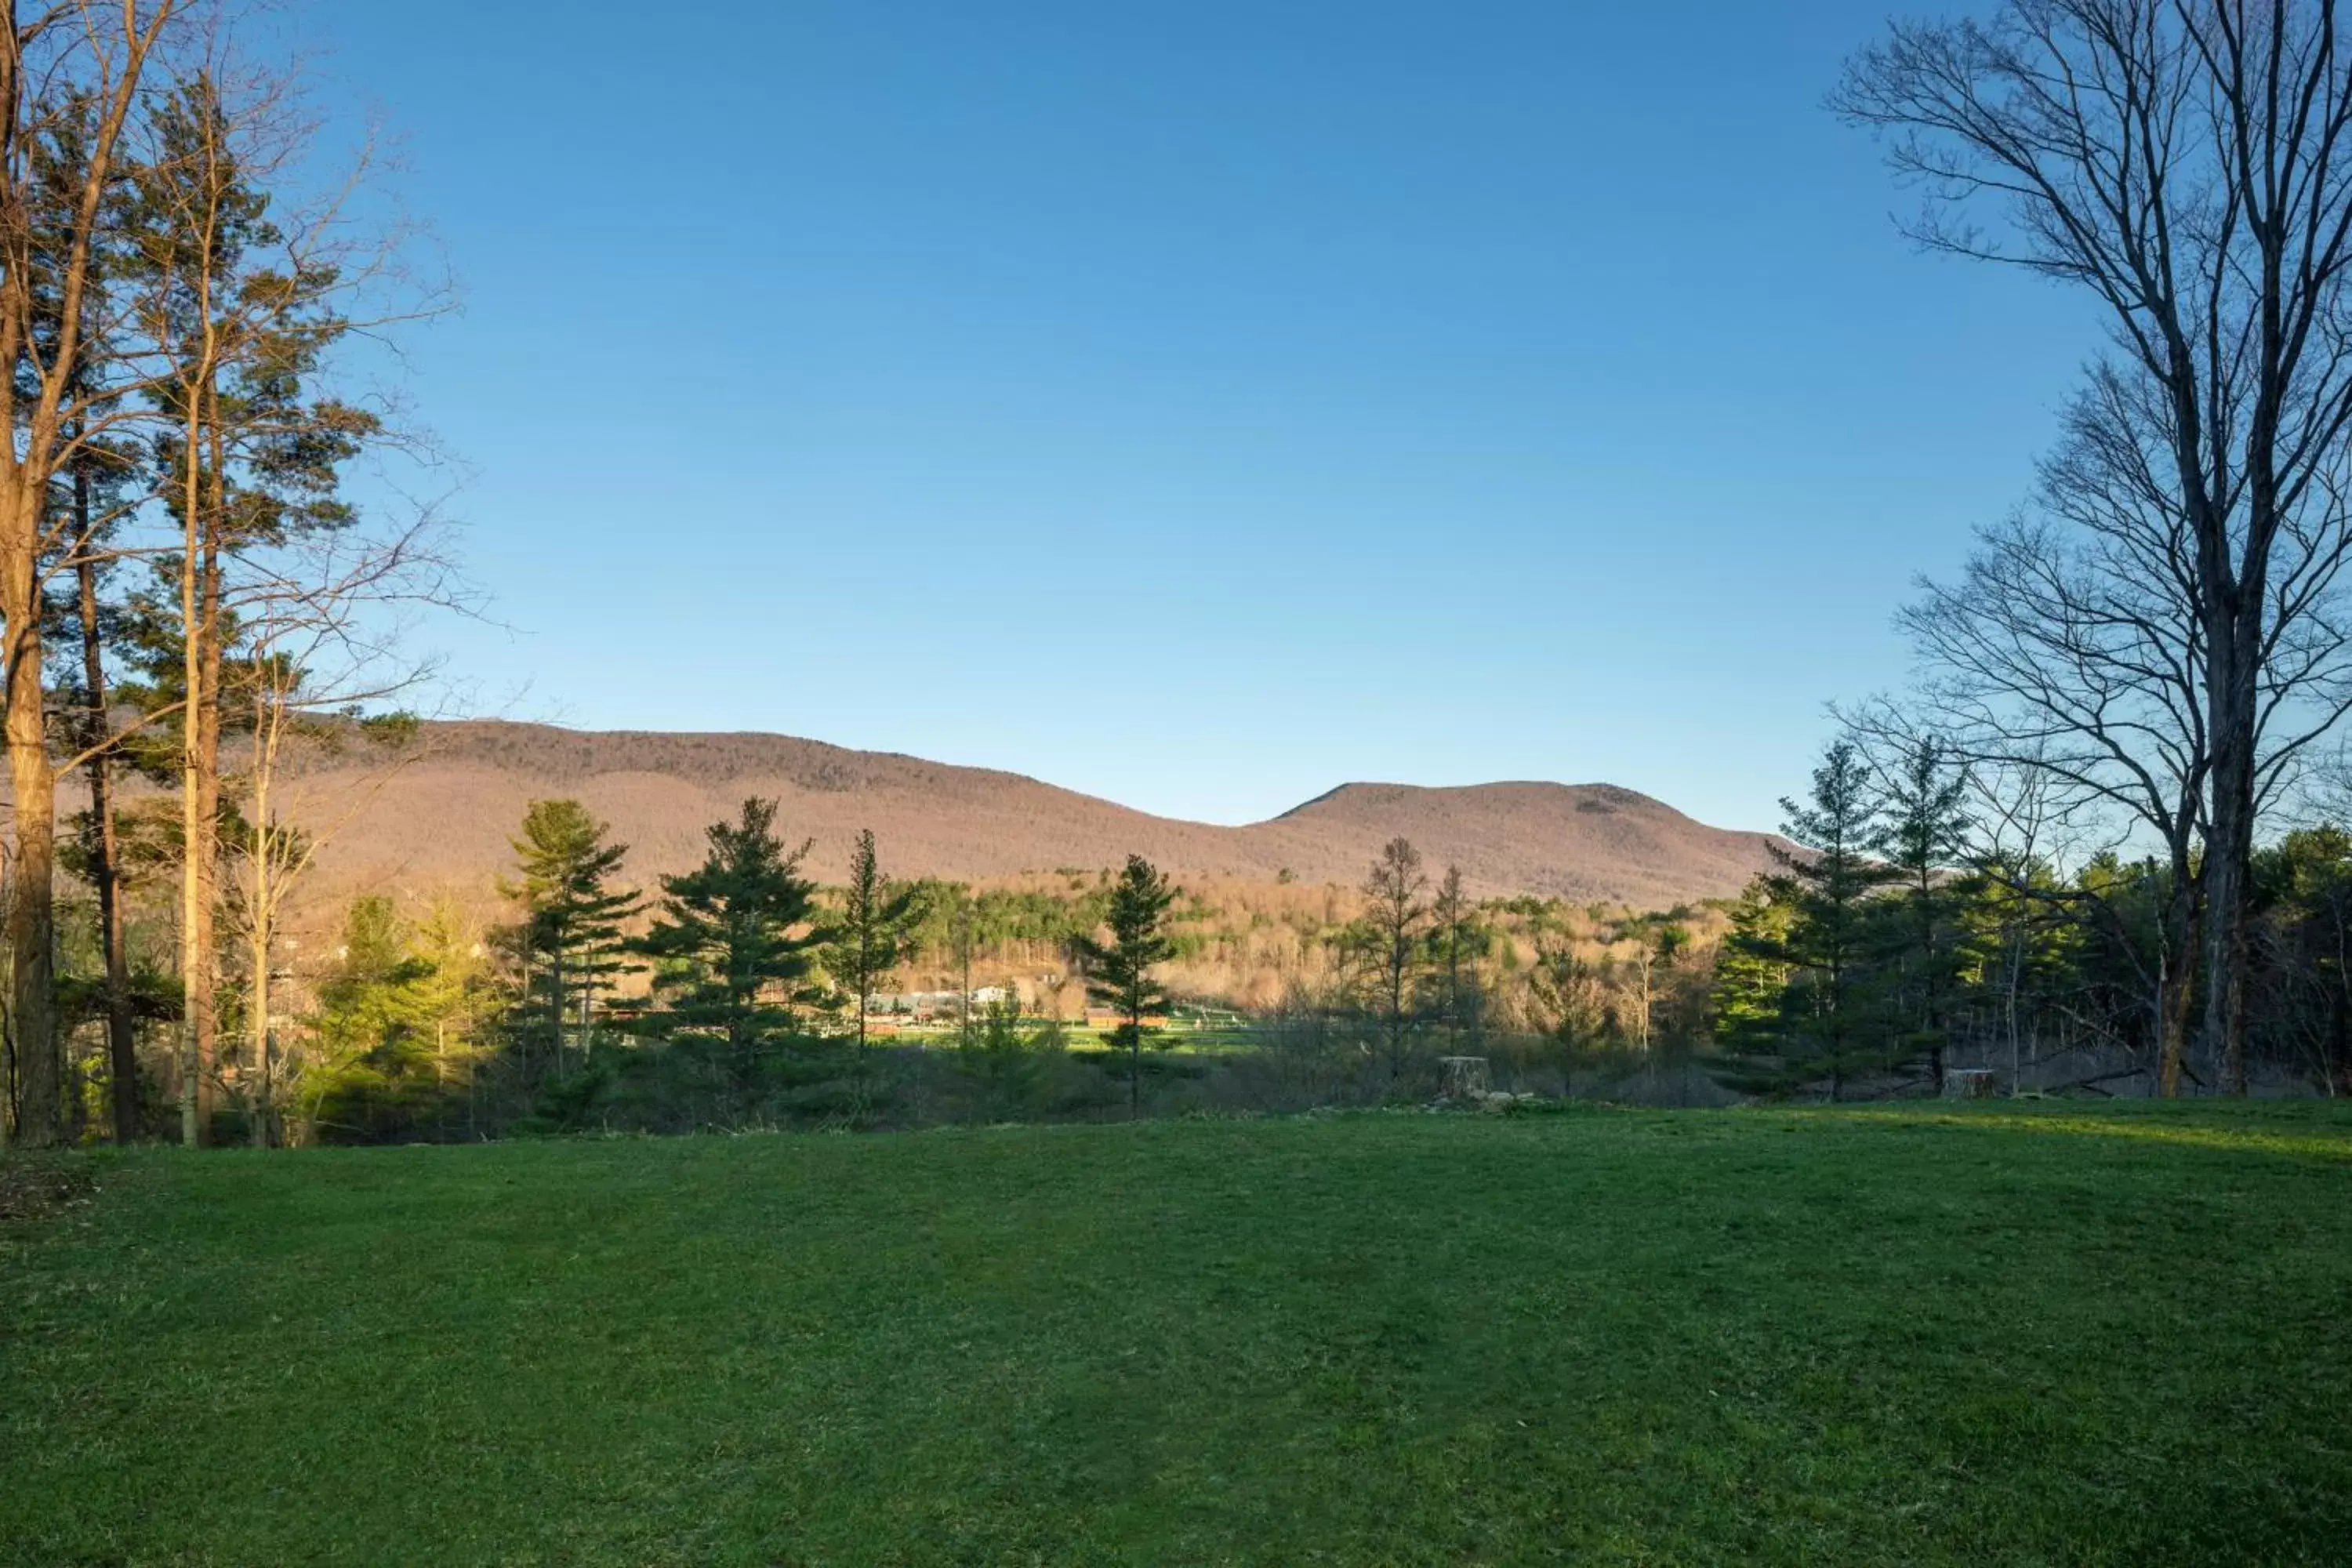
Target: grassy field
[1998,1335]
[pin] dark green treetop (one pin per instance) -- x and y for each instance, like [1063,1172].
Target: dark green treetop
[1118,972]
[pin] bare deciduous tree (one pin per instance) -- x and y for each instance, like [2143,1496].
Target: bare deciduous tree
[2189,162]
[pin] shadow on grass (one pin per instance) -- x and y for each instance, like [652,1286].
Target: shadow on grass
[2167,1124]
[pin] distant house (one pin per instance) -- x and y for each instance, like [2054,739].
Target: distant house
[918,1005]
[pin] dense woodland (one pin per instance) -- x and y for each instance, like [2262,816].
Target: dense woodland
[2093,844]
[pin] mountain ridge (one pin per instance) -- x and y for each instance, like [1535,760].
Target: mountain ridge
[444,818]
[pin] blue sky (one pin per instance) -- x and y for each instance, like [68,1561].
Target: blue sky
[1203,403]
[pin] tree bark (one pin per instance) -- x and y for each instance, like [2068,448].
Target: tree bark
[2176,986]
[2229,839]
[199,821]
[31,925]
[105,876]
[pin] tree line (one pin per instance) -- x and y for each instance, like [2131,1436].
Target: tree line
[758,989]
[2096,827]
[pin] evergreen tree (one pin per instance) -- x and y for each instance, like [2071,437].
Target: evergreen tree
[1924,836]
[1752,974]
[1119,971]
[732,942]
[870,939]
[1828,883]
[570,938]
[373,1075]
[1394,922]
[1457,941]
[456,998]
[94,496]
[1006,1063]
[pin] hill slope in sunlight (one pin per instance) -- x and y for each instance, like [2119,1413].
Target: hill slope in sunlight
[445,819]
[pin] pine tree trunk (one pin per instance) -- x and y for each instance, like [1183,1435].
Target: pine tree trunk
[555,1001]
[31,923]
[199,830]
[258,1106]
[260,919]
[121,1031]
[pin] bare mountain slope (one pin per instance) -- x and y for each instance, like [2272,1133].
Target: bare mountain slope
[1580,842]
[445,819]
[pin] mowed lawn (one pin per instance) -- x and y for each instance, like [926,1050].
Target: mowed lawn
[1998,1335]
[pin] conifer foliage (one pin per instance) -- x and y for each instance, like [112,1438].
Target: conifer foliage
[1118,972]
[732,944]
[870,938]
[1828,939]
[570,939]
[1924,833]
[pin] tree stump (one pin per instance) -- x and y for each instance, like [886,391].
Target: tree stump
[1970,1083]
[1465,1076]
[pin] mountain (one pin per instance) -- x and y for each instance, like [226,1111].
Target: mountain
[444,820]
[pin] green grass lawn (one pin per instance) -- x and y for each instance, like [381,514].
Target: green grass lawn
[2000,1336]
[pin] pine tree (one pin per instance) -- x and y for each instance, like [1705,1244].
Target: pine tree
[1008,1064]
[1925,835]
[101,484]
[1828,883]
[570,931]
[1395,923]
[1119,971]
[1752,974]
[62,63]
[1457,942]
[869,939]
[372,1072]
[732,943]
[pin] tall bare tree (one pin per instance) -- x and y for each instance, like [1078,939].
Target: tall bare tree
[2075,647]
[316,669]
[2186,161]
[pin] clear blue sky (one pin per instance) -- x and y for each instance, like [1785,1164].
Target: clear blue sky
[1199,404]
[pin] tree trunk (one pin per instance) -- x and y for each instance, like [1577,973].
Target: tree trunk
[256,1102]
[260,925]
[122,1030]
[199,825]
[2229,850]
[31,924]
[555,1000]
[2176,986]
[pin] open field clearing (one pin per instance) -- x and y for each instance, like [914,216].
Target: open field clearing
[2036,1333]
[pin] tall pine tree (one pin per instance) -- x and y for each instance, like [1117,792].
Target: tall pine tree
[869,938]
[1118,972]
[732,942]
[571,932]
[1829,1025]
[1923,838]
